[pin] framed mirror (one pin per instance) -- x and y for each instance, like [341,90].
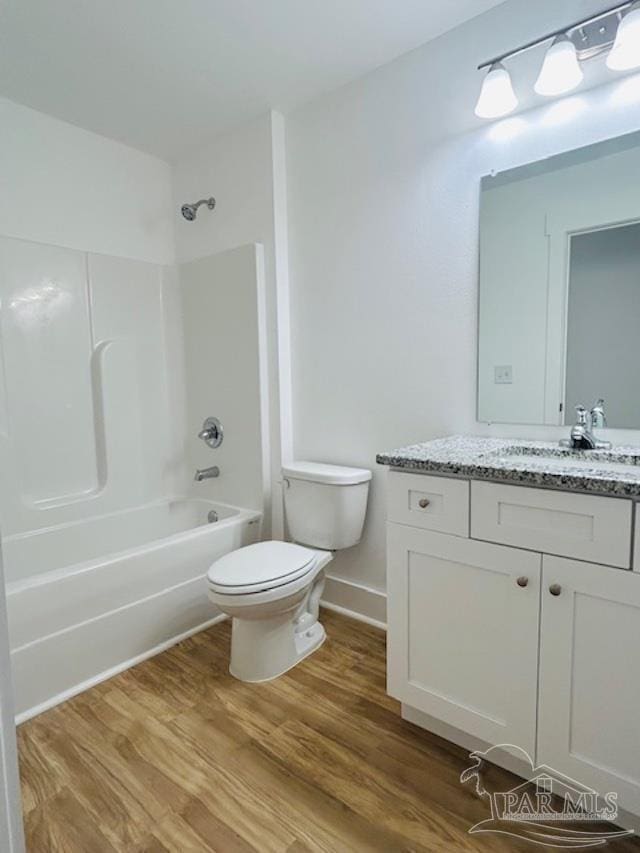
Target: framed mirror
[559,304]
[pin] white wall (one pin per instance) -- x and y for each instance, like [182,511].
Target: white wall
[69,187]
[384,179]
[243,170]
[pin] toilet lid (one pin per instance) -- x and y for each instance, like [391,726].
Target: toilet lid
[260,567]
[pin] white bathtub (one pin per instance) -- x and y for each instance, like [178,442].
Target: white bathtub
[77,616]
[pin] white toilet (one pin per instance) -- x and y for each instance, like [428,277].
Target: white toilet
[272,589]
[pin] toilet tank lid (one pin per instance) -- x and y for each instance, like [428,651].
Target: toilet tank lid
[319,472]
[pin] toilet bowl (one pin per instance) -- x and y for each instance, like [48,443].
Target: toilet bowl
[272,590]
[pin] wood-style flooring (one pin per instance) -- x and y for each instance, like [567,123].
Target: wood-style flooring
[176,755]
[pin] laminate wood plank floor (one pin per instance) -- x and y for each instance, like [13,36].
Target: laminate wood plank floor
[176,756]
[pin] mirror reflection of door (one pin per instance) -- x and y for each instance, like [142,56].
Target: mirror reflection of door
[603,323]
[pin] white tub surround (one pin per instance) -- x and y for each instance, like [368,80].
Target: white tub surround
[514,612]
[223,318]
[103,565]
[84,356]
[75,625]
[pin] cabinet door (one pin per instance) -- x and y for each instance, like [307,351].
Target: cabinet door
[463,620]
[589,709]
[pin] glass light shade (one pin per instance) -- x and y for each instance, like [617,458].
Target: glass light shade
[497,97]
[625,53]
[560,70]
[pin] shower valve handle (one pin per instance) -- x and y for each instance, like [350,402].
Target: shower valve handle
[212,432]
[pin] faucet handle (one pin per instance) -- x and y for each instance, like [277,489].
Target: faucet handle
[598,414]
[212,432]
[581,416]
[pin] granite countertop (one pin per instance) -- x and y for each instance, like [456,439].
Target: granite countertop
[532,463]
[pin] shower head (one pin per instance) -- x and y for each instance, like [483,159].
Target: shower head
[190,211]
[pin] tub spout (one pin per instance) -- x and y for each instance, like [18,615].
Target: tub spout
[206,474]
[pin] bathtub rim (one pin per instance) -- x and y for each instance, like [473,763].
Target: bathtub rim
[242,515]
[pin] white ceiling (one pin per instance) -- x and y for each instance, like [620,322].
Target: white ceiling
[167,75]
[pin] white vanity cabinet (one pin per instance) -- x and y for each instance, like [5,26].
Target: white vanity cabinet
[518,645]
[462,621]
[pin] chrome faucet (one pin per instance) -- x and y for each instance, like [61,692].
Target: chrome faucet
[583,431]
[206,474]
[582,437]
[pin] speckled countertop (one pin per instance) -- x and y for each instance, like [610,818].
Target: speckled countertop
[531,463]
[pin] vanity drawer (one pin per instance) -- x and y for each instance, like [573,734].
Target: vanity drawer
[585,527]
[433,503]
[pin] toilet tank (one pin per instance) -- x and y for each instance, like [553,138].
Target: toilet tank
[325,505]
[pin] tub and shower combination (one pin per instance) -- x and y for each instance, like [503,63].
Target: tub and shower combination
[91,598]
[107,372]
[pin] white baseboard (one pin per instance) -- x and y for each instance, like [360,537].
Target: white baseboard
[115,670]
[356,601]
[352,614]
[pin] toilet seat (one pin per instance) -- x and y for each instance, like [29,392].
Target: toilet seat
[261,567]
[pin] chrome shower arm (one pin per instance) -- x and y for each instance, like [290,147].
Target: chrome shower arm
[210,202]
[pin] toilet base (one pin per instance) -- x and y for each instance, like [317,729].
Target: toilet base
[261,650]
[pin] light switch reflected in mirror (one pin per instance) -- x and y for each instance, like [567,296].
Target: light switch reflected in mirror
[560,288]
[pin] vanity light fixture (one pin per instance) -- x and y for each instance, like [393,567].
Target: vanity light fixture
[625,53]
[615,30]
[497,97]
[560,72]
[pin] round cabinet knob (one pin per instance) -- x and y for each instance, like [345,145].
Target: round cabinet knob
[423,503]
[555,589]
[523,582]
